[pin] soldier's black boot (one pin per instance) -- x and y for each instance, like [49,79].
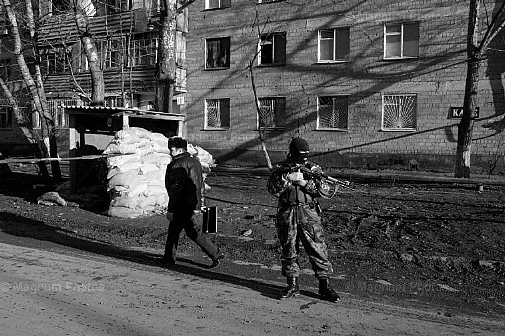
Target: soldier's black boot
[327,293]
[291,290]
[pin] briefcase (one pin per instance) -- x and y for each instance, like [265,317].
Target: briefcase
[209,224]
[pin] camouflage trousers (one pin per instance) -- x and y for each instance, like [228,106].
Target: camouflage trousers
[296,224]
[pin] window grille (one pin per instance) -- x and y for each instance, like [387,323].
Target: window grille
[143,50]
[271,112]
[55,60]
[401,40]
[334,44]
[217,113]
[215,4]
[332,112]
[399,112]
[218,53]
[272,49]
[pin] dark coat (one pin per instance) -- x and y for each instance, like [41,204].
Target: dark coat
[184,182]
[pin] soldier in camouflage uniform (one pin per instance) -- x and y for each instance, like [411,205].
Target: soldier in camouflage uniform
[299,219]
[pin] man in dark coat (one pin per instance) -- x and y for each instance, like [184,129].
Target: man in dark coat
[184,184]
[298,218]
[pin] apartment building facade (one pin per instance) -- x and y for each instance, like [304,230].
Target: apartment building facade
[126,34]
[367,83]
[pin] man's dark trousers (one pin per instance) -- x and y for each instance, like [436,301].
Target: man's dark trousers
[187,221]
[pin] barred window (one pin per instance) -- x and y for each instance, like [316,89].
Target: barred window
[332,112]
[401,40]
[5,116]
[110,52]
[334,44]
[55,60]
[217,113]
[271,112]
[143,50]
[399,112]
[215,4]
[272,49]
[218,53]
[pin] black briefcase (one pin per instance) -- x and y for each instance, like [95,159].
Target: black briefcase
[209,224]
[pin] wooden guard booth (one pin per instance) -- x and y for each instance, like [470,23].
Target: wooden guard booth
[92,128]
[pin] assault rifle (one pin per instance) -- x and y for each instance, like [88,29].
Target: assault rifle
[318,175]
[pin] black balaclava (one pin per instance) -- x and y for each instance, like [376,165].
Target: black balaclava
[298,150]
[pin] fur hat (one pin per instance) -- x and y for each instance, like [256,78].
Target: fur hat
[177,142]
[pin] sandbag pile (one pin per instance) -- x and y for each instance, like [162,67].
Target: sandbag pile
[136,178]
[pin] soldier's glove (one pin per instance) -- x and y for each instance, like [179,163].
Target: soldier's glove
[297,179]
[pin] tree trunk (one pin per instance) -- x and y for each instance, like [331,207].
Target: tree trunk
[465,127]
[97,81]
[166,74]
[36,91]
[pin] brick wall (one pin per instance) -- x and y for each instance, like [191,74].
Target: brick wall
[437,77]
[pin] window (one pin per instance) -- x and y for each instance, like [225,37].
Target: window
[401,40]
[5,116]
[61,6]
[334,45]
[143,50]
[215,4]
[218,53]
[271,112]
[110,52]
[332,112]
[55,60]
[399,112]
[272,49]
[217,113]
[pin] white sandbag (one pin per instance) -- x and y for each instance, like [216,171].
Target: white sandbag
[130,202]
[155,190]
[156,158]
[119,160]
[127,136]
[124,212]
[128,178]
[147,168]
[122,148]
[192,150]
[138,189]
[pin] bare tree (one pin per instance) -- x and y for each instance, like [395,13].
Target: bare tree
[166,67]
[34,82]
[82,10]
[475,52]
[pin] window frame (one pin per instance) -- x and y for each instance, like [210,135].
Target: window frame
[334,98]
[399,129]
[273,36]
[148,42]
[335,40]
[206,125]
[6,121]
[276,118]
[220,5]
[402,40]
[228,61]
[56,60]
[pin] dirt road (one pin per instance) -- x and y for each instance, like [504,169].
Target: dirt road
[59,293]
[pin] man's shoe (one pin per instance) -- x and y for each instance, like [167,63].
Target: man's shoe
[292,290]
[218,259]
[167,261]
[326,292]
